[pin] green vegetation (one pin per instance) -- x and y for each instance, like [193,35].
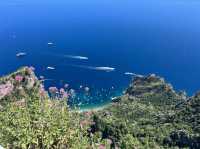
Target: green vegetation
[34,121]
[41,125]
[149,115]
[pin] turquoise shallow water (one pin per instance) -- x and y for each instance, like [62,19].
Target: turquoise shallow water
[143,37]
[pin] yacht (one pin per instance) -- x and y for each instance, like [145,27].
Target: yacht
[51,68]
[21,54]
[50,43]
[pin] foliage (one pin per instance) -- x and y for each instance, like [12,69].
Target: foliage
[139,124]
[150,115]
[41,124]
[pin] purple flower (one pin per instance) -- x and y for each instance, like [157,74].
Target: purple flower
[102,146]
[53,90]
[109,141]
[62,91]
[42,91]
[66,85]
[32,68]
[65,95]
[5,89]
[88,113]
[18,78]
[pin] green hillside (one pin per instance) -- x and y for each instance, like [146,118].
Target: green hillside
[150,114]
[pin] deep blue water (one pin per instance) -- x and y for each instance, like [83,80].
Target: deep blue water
[141,36]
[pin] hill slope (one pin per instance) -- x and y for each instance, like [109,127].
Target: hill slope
[149,115]
[19,85]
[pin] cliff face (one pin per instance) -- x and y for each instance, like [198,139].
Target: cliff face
[19,86]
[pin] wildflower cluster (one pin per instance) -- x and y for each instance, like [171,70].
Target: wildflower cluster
[59,93]
[18,78]
[5,89]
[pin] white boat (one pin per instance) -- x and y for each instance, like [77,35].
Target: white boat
[107,69]
[133,74]
[129,73]
[51,68]
[21,54]
[79,104]
[114,98]
[76,57]
[50,43]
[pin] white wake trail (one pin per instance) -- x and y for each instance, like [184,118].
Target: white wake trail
[76,57]
[106,69]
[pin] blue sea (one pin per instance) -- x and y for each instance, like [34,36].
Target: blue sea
[139,36]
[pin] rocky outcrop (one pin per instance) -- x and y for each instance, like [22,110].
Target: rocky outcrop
[150,84]
[150,108]
[153,89]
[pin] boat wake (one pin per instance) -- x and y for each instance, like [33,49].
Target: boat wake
[66,56]
[50,68]
[106,69]
[129,73]
[21,54]
[133,74]
[76,57]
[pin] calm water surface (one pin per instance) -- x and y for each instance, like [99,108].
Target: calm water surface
[146,36]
